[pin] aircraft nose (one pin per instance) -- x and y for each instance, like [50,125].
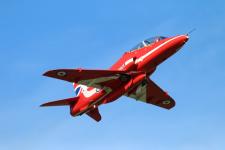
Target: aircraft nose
[184,38]
[180,40]
[177,42]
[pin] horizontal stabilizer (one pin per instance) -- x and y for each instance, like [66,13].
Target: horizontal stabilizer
[62,102]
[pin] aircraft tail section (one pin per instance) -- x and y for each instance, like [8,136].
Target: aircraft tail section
[63,102]
[77,89]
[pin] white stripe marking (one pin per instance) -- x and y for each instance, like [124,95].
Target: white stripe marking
[129,61]
[155,49]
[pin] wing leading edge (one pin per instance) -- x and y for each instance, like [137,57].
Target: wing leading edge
[91,78]
[78,75]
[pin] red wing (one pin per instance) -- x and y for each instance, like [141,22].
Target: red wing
[75,75]
[149,92]
[101,79]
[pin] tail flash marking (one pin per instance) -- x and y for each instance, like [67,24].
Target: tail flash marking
[82,89]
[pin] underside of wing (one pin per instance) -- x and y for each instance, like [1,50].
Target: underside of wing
[149,92]
[101,79]
[75,75]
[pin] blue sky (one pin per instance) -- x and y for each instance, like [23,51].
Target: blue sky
[36,36]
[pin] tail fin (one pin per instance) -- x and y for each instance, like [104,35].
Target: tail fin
[94,114]
[84,91]
[63,102]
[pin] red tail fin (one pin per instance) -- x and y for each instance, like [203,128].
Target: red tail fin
[63,102]
[77,89]
[94,114]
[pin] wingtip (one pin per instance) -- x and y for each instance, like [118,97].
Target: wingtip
[45,74]
[49,73]
[42,105]
[172,105]
[59,73]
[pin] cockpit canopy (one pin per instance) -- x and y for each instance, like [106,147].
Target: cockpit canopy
[148,42]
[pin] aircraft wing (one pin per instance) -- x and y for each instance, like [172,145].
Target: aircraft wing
[149,92]
[100,79]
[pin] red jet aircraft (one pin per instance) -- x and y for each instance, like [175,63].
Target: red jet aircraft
[129,76]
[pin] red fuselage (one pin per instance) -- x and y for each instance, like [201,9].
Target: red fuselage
[145,59]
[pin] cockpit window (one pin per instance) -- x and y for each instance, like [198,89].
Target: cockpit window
[140,45]
[148,42]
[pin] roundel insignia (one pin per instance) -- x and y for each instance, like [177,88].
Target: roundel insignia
[61,73]
[166,102]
